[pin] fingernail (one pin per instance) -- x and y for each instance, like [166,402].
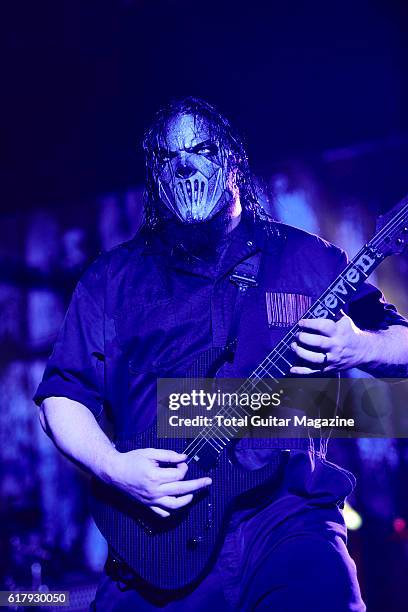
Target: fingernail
[208,481]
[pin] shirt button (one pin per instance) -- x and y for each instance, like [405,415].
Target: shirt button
[250,243]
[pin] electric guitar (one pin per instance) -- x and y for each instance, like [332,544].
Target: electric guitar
[175,553]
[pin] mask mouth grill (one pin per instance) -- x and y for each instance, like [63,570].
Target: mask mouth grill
[192,195]
[194,198]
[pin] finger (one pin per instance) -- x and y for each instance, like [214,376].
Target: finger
[303,371]
[162,454]
[172,474]
[323,326]
[184,486]
[160,511]
[174,503]
[307,355]
[315,340]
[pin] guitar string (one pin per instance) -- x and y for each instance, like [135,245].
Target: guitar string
[276,352]
[219,437]
[394,222]
[268,360]
[203,439]
[211,436]
[375,242]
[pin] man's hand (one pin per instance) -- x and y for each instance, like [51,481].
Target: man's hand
[328,345]
[139,474]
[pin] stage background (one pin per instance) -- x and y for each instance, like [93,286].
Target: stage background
[320,96]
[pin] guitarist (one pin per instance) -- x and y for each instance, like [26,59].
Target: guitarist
[154,306]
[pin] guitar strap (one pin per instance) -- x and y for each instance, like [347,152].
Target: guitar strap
[245,276]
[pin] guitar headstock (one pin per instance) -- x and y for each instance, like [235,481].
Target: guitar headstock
[392,230]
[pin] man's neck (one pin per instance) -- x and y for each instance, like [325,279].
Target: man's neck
[202,240]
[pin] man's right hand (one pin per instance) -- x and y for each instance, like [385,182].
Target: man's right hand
[138,473]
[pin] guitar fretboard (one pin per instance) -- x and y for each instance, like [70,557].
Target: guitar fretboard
[279,361]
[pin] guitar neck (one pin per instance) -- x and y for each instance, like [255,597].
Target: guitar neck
[328,306]
[279,361]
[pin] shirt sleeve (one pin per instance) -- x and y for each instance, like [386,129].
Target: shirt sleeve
[370,311]
[75,369]
[369,308]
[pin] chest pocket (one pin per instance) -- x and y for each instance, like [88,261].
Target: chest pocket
[285,309]
[161,336]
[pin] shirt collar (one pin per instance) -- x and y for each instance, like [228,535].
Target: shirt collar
[247,238]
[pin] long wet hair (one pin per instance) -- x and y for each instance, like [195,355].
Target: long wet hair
[222,132]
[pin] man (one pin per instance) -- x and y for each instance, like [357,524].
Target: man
[162,304]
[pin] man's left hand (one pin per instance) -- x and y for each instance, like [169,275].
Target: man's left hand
[328,345]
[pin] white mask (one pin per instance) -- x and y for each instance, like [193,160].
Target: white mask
[192,173]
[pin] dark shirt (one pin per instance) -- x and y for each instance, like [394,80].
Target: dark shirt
[140,312]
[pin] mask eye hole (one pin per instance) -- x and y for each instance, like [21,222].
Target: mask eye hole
[206,148]
[164,155]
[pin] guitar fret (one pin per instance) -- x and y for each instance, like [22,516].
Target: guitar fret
[261,381]
[363,273]
[278,362]
[350,285]
[321,302]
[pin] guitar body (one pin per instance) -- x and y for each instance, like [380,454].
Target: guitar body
[176,552]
